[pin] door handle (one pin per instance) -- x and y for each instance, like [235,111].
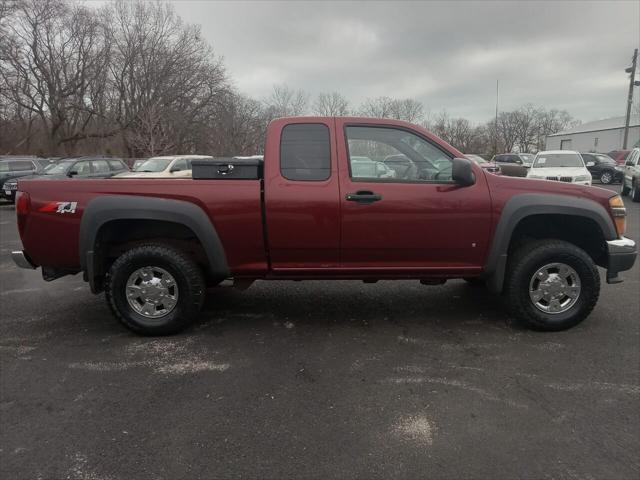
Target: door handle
[364,197]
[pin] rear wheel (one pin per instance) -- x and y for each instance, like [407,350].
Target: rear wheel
[625,190]
[635,191]
[552,285]
[155,289]
[606,177]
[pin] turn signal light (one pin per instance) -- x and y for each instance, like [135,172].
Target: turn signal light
[619,213]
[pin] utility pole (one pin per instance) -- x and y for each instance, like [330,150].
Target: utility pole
[632,82]
[495,139]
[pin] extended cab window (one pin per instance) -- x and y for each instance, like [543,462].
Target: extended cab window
[391,154]
[305,152]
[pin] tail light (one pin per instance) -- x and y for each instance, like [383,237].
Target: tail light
[23,207]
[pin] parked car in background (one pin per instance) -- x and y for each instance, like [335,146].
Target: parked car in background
[513,164]
[631,177]
[485,165]
[560,165]
[12,168]
[82,167]
[602,167]
[136,164]
[524,159]
[619,156]
[173,166]
[364,167]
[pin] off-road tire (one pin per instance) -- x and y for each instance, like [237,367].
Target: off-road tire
[527,260]
[188,277]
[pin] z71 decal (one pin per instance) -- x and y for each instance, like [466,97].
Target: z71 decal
[59,207]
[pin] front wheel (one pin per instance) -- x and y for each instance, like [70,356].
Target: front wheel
[552,285]
[155,289]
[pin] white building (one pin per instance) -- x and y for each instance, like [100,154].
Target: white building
[601,136]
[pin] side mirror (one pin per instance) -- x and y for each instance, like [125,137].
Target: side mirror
[72,173]
[591,164]
[462,172]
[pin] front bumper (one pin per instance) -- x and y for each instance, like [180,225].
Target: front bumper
[8,191]
[622,255]
[21,260]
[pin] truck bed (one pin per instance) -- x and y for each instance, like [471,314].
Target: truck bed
[233,206]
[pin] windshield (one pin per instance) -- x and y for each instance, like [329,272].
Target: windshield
[58,168]
[554,160]
[156,164]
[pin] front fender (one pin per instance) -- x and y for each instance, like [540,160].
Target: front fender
[524,205]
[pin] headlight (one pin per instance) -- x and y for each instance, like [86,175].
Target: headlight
[619,213]
[582,178]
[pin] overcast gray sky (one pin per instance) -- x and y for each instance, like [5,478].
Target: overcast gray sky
[567,55]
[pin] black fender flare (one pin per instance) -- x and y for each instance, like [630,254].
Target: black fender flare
[107,208]
[527,204]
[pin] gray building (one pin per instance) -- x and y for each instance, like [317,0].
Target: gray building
[600,136]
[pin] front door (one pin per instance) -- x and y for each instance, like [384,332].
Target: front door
[401,211]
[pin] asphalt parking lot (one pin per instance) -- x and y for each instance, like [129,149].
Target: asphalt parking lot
[316,380]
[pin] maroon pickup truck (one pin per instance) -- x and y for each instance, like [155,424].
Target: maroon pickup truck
[333,198]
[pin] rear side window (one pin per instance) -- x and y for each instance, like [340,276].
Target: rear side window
[100,166]
[305,152]
[115,164]
[21,166]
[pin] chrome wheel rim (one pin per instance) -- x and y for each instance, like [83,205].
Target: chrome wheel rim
[152,292]
[605,178]
[554,288]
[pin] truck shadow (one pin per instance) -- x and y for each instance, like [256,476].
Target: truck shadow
[354,304]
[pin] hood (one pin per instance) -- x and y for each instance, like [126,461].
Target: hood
[37,177]
[557,172]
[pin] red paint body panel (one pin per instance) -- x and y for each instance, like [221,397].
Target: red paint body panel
[416,230]
[232,205]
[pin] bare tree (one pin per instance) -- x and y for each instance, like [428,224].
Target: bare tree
[285,101]
[552,121]
[331,105]
[237,127]
[407,109]
[379,107]
[53,64]
[161,70]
